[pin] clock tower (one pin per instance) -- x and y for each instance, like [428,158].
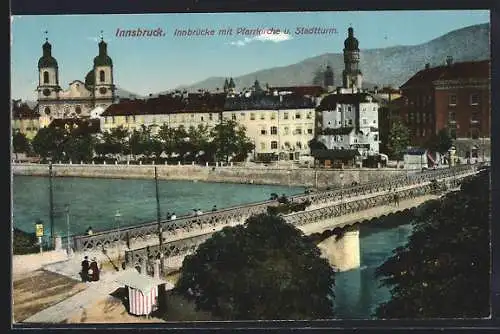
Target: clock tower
[104,89]
[48,81]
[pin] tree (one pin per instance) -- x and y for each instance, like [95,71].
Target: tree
[20,143]
[399,140]
[48,141]
[264,269]
[441,142]
[229,140]
[79,147]
[443,271]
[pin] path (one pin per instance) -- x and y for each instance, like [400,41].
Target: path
[63,310]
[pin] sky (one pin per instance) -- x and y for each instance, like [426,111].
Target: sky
[146,65]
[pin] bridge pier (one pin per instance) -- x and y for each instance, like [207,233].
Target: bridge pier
[342,251]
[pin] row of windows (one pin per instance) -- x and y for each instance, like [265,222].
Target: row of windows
[364,121]
[286,145]
[473,99]
[102,77]
[273,115]
[286,131]
[349,108]
[340,138]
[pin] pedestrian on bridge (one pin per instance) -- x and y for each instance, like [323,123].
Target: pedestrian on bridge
[169,216]
[173,216]
[84,274]
[396,199]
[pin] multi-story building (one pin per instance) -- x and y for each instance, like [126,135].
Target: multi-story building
[24,119]
[454,96]
[280,126]
[349,121]
[172,110]
[81,97]
[348,118]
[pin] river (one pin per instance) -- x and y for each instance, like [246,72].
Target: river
[94,202]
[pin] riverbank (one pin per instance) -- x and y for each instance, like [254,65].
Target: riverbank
[302,177]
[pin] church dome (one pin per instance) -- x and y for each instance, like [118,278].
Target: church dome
[47,60]
[351,43]
[90,79]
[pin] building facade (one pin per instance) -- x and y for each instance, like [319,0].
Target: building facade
[349,121]
[81,97]
[24,119]
[454,96]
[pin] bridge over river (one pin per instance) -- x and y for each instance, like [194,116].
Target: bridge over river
[339,211]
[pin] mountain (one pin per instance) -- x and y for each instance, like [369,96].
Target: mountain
[125,94]
[384,66]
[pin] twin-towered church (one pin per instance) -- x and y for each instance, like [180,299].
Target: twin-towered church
[80,98]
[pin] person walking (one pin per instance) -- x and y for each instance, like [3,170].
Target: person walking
[85,269]
[396,199]
[173,216]
[95,270]
[89,231]
[214,208]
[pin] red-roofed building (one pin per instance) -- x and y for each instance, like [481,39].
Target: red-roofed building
[455,96]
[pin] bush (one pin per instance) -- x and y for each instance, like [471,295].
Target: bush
[24,243]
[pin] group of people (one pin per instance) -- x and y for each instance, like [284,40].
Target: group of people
[90,270]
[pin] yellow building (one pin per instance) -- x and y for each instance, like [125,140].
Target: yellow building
[280,127]
[24,119]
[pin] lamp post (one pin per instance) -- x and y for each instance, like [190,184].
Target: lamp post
[51,204]
[117,220]
[68,246]
[341,188]
[158,218]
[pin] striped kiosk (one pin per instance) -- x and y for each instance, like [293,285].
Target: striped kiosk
[143,291]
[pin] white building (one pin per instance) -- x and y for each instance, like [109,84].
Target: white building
[349,121]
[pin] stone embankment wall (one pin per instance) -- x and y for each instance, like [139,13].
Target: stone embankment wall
[307,177]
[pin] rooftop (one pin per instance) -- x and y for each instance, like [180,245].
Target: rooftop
[331,101]
[454,71]
[23,111]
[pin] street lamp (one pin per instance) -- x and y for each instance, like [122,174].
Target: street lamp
[117,219]
[341,188]
[67,226]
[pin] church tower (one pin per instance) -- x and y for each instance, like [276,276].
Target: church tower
[352,76]
[48,81]
[328,79]
[103,88]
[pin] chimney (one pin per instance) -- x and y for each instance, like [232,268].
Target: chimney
[427,66]
[449,60]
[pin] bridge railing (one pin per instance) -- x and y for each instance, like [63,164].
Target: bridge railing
[139,257]
[226,216]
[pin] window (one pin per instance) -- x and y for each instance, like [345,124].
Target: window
[350,122]
[273,115]
[252,116]
[309,131]
[374,108]
[375,137]
[451,116]
[202,118]
[297,115]
[452,100]
[274,145]
[374,121]
[309,115]
[285,115]
[298,131]
[365,121]
[78,110]
[233,116]
[262,116]
[102,76]
[210,117]
[274,130]
[299,145]
[262,146]
[47,110]
[263,131]
[45,77]
[474,99]
[349,108]
[286,130]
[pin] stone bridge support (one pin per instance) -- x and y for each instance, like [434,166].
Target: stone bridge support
[342,250]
